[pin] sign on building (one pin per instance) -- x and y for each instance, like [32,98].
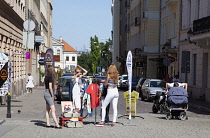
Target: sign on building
[3,74]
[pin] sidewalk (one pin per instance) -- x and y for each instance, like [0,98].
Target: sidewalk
[32,106]
[199,104]
[26,106]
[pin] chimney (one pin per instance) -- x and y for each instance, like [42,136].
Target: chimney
[61,39]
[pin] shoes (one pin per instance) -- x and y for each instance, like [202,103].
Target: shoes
[48,126]
[112,125]
[58,127]
[100,125]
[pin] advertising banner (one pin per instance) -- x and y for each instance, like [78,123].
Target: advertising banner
[49,58]
[129,69]
[4,80]
[131,107]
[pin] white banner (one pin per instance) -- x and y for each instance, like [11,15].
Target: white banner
[129,69]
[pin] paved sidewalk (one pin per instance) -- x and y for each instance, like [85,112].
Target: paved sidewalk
[199,104]
[30,121]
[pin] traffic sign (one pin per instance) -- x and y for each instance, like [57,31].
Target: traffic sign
[41,62]
[29,25]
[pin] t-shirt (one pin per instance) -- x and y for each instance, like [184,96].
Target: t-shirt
[93,90]
[47,80]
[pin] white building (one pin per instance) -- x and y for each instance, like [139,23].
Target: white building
[194,49]
[68,55]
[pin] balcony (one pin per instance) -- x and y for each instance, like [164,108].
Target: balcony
[127,4]
[137,21]
[171,2]
[201,25]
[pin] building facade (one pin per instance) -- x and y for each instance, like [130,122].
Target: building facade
[68,55]
[12,16]
[13,13]
[194,63]
[169,35]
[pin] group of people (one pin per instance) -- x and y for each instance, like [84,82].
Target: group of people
[110,84]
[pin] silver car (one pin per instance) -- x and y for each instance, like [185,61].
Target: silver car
[150,87]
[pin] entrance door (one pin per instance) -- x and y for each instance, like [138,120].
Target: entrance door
[205,74]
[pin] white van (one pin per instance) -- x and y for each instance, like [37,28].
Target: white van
[123,81]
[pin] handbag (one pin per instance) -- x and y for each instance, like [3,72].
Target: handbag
[104,93]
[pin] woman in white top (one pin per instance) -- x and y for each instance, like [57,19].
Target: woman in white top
[30,83]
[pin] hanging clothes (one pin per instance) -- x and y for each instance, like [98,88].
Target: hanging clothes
[76,94]
[87,98]
[93,90]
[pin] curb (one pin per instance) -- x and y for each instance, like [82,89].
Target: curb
[2,121]
[199,107]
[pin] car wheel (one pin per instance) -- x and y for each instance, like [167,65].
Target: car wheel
[142,98]
[148,98]
[168,116]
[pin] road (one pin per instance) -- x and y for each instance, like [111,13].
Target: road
[30,122]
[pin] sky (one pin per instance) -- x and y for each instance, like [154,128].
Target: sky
[78,20]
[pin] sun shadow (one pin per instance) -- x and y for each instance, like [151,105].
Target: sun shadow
[39,123]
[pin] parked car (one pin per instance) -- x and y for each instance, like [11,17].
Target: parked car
[59,86]
[118,83]
[68,74]
[123,81]
[133,83]
[139,85]
[66,88]
[150,88]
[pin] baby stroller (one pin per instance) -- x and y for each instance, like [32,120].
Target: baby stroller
[177,103]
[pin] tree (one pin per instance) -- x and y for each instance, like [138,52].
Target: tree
[83,61]
[106,55]
[95,53]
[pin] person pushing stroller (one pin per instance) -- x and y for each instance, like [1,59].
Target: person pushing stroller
[177,100]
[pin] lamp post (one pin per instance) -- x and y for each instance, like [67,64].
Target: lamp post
[166,60]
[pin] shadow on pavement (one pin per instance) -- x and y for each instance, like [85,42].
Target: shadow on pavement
[39,123]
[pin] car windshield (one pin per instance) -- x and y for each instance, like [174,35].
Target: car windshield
[125,77]
[156,83]
[66,83]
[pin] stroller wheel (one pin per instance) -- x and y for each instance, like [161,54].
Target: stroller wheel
[168,116]
[183,116]
[154,109]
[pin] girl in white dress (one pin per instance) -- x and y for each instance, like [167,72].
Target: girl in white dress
[76,88]
[30,83]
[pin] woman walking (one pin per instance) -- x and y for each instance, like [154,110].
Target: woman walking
[49,97]
[76,94]
[30,84]
[112,94]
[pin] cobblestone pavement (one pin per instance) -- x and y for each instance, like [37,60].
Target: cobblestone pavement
[30,122]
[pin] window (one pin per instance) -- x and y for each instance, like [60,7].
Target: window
[58,52]
[67,58]
[73,58]
[197,9]
[194,68]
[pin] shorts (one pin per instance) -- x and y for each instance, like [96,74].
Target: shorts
[48,98]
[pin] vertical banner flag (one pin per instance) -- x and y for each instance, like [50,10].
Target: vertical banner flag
[129,69]
[4,74]
[49,58]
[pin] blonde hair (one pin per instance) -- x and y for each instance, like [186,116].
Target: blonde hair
[113,73]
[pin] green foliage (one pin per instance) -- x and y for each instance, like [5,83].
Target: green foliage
[99,56]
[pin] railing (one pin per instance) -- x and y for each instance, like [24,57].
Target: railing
[201,25]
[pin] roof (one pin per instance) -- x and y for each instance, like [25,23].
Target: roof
[67,47]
